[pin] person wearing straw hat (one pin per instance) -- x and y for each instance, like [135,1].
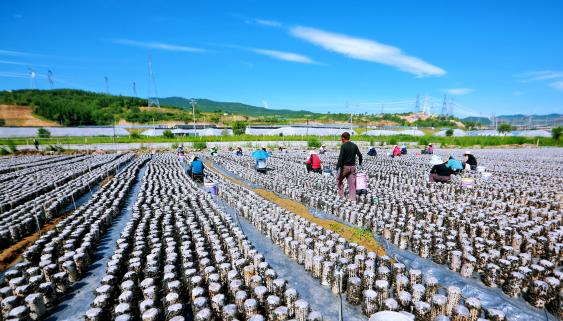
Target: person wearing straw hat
[314,163]
[470,160]
[322,150]
[440,172]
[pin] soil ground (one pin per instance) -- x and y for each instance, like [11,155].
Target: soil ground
[22,116]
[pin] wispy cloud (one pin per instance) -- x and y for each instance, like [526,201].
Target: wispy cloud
[540,75]
[8,62]
[264,22]
[284,55]
[366,49]
[557,85]
[156,45]
[459,91]
[15,53]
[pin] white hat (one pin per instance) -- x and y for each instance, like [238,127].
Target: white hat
[313,152]
[435,160]
[467,152]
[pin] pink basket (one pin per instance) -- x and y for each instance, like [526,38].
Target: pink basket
[361,181]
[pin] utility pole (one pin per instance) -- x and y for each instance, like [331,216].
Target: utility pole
[193,115]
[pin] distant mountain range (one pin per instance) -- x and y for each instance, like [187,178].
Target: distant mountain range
[522,120]
[206,105]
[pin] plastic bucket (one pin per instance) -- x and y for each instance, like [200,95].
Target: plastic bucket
[467,182]
[391,316]
[211,188]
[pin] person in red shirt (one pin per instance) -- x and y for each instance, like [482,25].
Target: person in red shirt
[397,151]
[314,163]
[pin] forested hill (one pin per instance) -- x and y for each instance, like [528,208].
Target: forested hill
[206,105]
[74,107]
[71,107]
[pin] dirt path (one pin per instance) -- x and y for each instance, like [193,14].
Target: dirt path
[12,255]
[356,235]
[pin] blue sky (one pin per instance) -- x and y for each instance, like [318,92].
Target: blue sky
[500,57]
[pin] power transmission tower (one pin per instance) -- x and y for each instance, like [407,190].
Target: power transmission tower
[106,79]
[153,94]
[50,77]
[444,106]
[134,89]
[32,81]
[417,106]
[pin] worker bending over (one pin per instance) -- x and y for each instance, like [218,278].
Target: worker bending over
[314,163]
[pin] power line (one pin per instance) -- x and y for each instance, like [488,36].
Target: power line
[50,77]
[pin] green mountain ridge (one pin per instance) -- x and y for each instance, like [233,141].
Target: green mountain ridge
[207,105]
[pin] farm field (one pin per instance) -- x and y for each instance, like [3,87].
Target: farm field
[130,236]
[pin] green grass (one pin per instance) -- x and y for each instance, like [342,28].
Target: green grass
[444,141]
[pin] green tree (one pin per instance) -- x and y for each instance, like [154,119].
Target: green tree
[449,132]
[168,134]
[239,127]
[556,133]
[2,122]
[313,142]
[43,133]
[504,128]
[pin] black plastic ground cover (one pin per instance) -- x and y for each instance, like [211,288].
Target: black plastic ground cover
[74,305]
[320,298]
[515,309]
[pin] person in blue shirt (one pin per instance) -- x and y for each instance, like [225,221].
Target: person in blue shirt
[454,165]
[372,151]
[196,170]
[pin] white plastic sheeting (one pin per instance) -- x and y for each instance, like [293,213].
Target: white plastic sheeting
[298,131]
[457,133]
[532,133]
[62,131]
[412,132]
[381,132]
[487,132]
[188,132]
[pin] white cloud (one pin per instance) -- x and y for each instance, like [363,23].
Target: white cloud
[14,53]
[365,49]
[156,45]
[283,55]
[557,85]
[459,91]
[269,23]
[540,75]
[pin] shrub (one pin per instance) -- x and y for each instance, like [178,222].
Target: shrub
[239,127]
[43,133]
[504,128]
[313,142]
[4,151]
[135,135]
[199,145]
[449,132]
[2,122]
[393,141]
[168,134]
[174,146]
[556,133]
